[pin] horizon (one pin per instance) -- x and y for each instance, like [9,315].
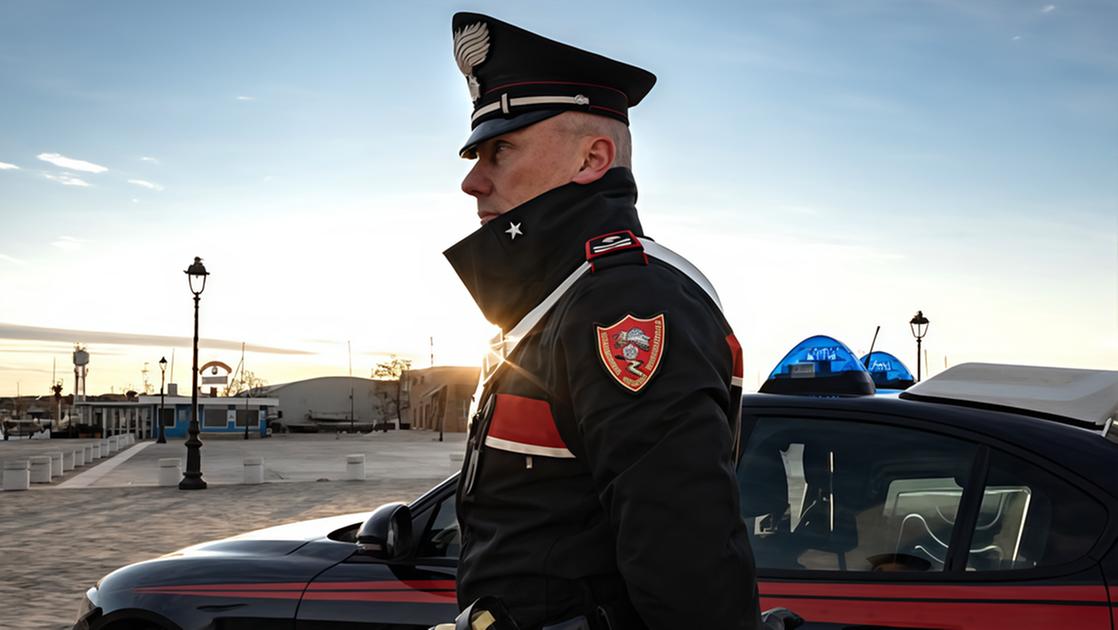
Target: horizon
[830,168]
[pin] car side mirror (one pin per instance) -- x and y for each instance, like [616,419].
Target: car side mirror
[386,534]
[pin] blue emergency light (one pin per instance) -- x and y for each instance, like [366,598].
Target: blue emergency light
[887,371]
[819,366]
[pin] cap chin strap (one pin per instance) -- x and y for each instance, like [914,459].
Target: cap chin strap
[505,103]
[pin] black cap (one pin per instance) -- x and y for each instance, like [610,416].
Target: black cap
[517,78]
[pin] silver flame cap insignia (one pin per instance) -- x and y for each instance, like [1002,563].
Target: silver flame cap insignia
[471,47]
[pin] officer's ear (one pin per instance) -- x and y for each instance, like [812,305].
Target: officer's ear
[598,153]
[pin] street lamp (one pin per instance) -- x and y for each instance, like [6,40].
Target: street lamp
[162,379]
[919,326]
[192,476]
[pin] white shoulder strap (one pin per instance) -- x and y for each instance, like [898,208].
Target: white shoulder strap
[503,344]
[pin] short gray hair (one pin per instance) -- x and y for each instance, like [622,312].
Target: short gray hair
[583,124]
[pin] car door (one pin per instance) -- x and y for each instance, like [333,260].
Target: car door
[363,592]
[858,520]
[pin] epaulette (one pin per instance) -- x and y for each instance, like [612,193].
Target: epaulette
[613,249]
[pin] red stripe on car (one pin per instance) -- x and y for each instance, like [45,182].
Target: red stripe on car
[1087,594]
[421,585]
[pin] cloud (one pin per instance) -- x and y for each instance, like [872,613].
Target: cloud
[68,243]
[67,179]
[4,166]
[72,164]
[145,158]
[145,184]
[1048,8]
[246,98]
[1016,38]
[12,259]
[35,333]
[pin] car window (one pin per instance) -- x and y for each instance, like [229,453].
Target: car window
[1031,518]
[442,539]
[833,495]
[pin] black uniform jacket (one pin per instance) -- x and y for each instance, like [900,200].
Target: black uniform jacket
[586,492]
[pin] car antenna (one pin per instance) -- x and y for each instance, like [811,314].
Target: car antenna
[872,344]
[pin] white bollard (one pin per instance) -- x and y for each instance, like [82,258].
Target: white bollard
[40,468]
[114,443]
[67,461]
[254,470]
[106,447]
[55,464]
[88,448]
[96,446]
[456,460]
[17,475]
[170,471]
[79,457]
[355,467]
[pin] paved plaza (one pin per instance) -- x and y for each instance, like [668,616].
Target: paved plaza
[57,539]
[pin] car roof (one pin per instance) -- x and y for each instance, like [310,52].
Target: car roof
[1083,451]
[1086,397]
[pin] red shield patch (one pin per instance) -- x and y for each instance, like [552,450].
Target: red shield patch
[631,349]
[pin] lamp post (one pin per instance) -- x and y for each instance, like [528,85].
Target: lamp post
[162,379]
[919,326]
[192,476]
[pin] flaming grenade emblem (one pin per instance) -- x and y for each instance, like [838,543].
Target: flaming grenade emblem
[631,342]
[471,48]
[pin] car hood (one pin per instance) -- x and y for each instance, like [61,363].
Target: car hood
[281,539]
[296,551]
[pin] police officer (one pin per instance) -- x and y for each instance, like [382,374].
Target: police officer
[598,487]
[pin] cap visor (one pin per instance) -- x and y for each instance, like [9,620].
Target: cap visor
[500,126]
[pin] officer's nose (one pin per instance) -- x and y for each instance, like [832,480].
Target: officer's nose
[476,184]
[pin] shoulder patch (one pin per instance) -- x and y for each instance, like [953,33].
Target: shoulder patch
[632,348]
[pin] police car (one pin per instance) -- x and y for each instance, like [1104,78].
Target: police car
[985,497]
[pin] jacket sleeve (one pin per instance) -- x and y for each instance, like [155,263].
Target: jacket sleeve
[661,457]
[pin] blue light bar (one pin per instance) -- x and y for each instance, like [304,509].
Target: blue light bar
[819,365]
[887,371]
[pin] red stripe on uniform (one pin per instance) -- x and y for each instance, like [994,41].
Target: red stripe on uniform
[525,420]
[735,350]
[1088,594]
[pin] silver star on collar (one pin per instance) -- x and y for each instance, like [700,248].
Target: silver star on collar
[514,231]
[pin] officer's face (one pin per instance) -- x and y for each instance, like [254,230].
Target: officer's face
[521,165]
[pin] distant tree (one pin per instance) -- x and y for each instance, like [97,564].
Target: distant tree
[392,369]
[246,381]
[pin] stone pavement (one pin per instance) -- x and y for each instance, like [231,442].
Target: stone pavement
[56,542]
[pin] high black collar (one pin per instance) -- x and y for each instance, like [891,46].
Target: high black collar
[509,276]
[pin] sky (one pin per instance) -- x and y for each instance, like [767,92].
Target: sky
[831,166]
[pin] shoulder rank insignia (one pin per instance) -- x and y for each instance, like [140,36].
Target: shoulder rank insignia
[632,348]
[613,243]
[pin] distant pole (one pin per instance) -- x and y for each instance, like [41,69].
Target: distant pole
[431,341]
[351,410]
[162,380]
[246,390]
